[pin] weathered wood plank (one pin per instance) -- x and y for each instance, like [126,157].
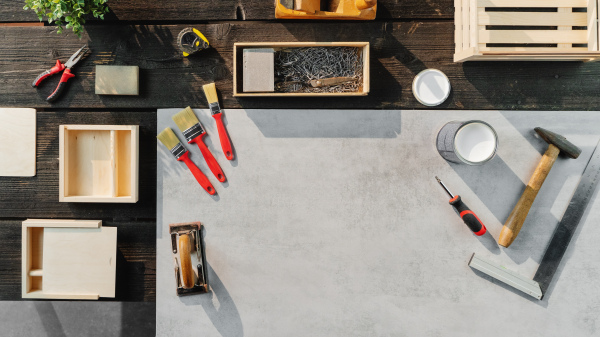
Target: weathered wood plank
[398,51]
[37,197]
[136,260]
[179,10]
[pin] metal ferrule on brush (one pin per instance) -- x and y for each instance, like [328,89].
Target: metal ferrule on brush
[193,132]
[214,108]
[178,150]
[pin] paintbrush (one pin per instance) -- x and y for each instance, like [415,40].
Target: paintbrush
[210,90]
[170,140]
[193,132]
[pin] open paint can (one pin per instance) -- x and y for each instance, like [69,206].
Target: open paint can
[471,142]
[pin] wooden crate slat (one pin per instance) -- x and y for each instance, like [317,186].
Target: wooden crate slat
[533,19]
[458,31]
[536,50]
[473,23]
[466,25]
[533,3]
[533,36]
[592,23]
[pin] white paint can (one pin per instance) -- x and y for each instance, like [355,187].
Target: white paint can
[431,87]
[471,142]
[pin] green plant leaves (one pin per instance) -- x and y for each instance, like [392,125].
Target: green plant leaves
[67,13]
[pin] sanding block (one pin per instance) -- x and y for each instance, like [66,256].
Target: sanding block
[117,80]
[259,70]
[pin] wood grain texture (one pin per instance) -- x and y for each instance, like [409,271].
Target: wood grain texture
[17,142]
[132,10]
[37,197]
[398,52]
[136,260]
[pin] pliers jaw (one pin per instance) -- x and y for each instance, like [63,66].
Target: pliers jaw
[77,56]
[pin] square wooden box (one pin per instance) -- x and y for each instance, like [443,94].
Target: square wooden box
[98,163]
[68,259]
[238,72]
[495,30]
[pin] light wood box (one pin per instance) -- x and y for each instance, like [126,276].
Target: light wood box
[98,163]
[238,72]
[68,259]
[479,35]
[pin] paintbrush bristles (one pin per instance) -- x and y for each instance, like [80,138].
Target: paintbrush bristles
[185,119]
[210,90]
[168,138]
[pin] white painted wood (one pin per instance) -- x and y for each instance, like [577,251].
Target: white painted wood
[17,142]
[98,163]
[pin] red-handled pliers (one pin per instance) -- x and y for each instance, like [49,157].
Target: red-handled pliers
[80,54]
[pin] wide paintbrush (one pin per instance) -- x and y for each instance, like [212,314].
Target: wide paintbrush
[170,140]
[193,132]
[210,90]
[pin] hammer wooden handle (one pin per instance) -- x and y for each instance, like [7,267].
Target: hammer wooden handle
[187,273]
[515,220]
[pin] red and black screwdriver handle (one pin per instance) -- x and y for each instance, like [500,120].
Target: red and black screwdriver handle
[469,218]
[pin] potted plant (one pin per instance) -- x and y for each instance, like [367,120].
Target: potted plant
[68,13]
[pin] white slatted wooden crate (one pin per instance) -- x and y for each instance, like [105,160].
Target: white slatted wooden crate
[526,30]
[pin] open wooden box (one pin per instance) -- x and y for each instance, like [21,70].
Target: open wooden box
[98,163]
[238,73]
[68,259]
[493,30]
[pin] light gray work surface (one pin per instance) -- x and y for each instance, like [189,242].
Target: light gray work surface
[331,223]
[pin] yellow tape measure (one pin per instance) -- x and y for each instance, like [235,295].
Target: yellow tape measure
[190,40]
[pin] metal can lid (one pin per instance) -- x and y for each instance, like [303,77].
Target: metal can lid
[431,87]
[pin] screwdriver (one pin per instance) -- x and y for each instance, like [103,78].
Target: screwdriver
[470,219]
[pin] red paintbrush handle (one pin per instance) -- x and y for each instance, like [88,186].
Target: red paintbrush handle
[210,159]
[202,180]
[225,143]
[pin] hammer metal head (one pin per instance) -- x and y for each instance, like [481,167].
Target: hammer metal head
[559,141]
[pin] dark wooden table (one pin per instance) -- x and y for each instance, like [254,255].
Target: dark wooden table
[407,37]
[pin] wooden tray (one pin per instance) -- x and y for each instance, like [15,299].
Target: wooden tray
[238,67]
[98,163]
[493,30]
[68,259]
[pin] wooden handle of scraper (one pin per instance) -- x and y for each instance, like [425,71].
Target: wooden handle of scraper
[515,220]
[187,273]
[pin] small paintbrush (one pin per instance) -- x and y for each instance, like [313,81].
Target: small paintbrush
[193,132]
[210,90]
[170,140]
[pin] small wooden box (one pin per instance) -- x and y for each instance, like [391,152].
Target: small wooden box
[98,163]
[238,67]
[68,259]
[494,30]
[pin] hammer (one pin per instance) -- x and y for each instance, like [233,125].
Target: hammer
[556,144]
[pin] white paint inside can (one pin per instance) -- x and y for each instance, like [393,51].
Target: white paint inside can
[475,142]
[431,87]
